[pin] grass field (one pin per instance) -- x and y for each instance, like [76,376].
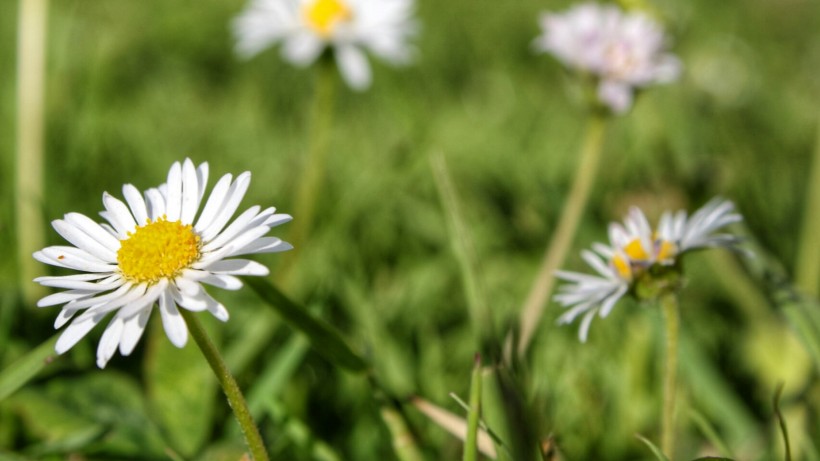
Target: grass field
[133,86]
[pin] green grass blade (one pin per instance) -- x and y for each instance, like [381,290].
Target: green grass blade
[474,415]
[709,432]
[25,368]
[784,430]
[323,337]
[655,450]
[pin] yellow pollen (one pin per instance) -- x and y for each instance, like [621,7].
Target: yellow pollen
[622,266]
[323,15]
[635,251]
[159,249]
[666,251]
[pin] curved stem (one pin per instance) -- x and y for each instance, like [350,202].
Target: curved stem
[670,377]
[561,240]
[235,398]
[310,183]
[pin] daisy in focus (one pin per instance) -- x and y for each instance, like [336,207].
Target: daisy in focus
[349,27]
[157,247]
[622,51]
[641,261]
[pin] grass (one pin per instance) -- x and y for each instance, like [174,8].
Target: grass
[133,86]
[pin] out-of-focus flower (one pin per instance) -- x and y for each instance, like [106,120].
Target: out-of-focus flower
[155,250]
[638,257]
[623,50]
[307,27]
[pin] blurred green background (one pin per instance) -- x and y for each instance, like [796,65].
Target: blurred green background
[133,86]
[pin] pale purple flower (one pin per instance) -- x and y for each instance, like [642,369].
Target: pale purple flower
[623,50]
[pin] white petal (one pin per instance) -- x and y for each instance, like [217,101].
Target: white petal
[94,230]
[172,321]
[75,332]
[202,179]
[109,342]
[214,203]
[237,226]
[302,48]
[173,197]
[190,192]
[133,330]
[72,258]
[263,245]
[118,215]
[83,241]
[353,67]
[238,267]
[156,204]
[137,204]
[583,331]
[228,208]
[63,297]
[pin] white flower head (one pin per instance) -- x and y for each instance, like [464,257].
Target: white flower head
[624,51]
[307,27]
[157,247]
[634,250]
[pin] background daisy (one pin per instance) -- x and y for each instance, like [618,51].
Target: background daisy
[349,27]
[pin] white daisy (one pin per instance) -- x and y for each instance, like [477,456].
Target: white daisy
[154,249]
[622,50]
[307,27]
[633,249]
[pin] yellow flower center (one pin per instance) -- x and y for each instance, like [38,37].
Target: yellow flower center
[666,251]
[635,251]
[159,249]
[323,15]
[622,266]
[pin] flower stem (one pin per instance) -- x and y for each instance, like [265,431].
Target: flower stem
[310,183]
[669,302]
[807,272]
[31,53]
[561,240]
[235,398]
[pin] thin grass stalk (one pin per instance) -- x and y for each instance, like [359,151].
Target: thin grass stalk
[235,398]
[669,302]
[474,415]
[313,172]
[561,241]
[31,63]
[463,248]
[807,270]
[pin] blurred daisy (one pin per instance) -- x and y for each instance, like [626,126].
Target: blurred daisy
[154,249]
[623,51]
[349,27]
[638,256]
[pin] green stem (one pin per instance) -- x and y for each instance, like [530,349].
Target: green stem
[310,183]
[561,241]
[669,303]
[31,53]
[235,398]
[464,250]
[474,415]
[807,271]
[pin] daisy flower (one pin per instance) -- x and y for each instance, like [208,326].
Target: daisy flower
[637,254]
[156,248]
[623,51]
[349,27]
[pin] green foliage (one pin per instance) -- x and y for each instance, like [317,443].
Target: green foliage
[133,86]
